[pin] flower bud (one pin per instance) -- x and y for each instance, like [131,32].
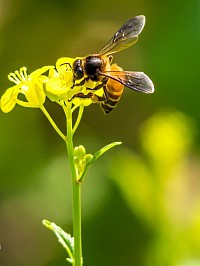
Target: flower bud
[88,157]
[76,160]
[79,152]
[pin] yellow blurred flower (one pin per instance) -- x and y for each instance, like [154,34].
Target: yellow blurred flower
[167,136]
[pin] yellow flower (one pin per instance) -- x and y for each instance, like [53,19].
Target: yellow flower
[61,79]
[30,86]
[62,88]
[59,86]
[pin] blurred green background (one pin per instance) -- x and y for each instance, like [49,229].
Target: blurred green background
[141,201]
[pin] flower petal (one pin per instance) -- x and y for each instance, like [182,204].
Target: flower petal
[8,99]
[64,64]
[35,94]
[55,86]
[38,72]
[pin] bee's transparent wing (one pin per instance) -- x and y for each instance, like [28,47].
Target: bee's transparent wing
[137,81]
[126,36]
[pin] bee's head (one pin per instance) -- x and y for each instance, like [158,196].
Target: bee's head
[90,66]
[94,64]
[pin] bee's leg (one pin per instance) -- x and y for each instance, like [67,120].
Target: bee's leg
[100,86]
[95,98]
[98,99]
[81,83]
[90,95]
[105,92]
[81,95]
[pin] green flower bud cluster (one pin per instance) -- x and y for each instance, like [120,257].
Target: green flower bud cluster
[81,159]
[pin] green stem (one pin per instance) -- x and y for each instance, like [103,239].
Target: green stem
[53,123]
[76,188]
[80,113]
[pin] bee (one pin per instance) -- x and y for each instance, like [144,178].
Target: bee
[112,78]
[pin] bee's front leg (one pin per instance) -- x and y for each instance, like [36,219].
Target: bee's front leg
[81,83]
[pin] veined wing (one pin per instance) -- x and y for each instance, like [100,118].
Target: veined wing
[137,81]
[126,36]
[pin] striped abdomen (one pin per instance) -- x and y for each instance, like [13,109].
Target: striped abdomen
[112,91]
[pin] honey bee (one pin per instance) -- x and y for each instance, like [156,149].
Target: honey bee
[111,77]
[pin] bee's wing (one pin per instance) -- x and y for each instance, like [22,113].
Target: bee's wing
[137,81]
[126,36]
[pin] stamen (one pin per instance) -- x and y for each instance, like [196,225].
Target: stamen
[23,73]
[12,77]
[17,73]
[18,76]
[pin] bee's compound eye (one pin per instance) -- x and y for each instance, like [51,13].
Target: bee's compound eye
[78,70]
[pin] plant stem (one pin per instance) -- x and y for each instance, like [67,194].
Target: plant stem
[76,189]
[53,123]
[80,113]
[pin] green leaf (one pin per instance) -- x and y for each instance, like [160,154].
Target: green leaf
[65,239]
[96,156]
[104,149]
